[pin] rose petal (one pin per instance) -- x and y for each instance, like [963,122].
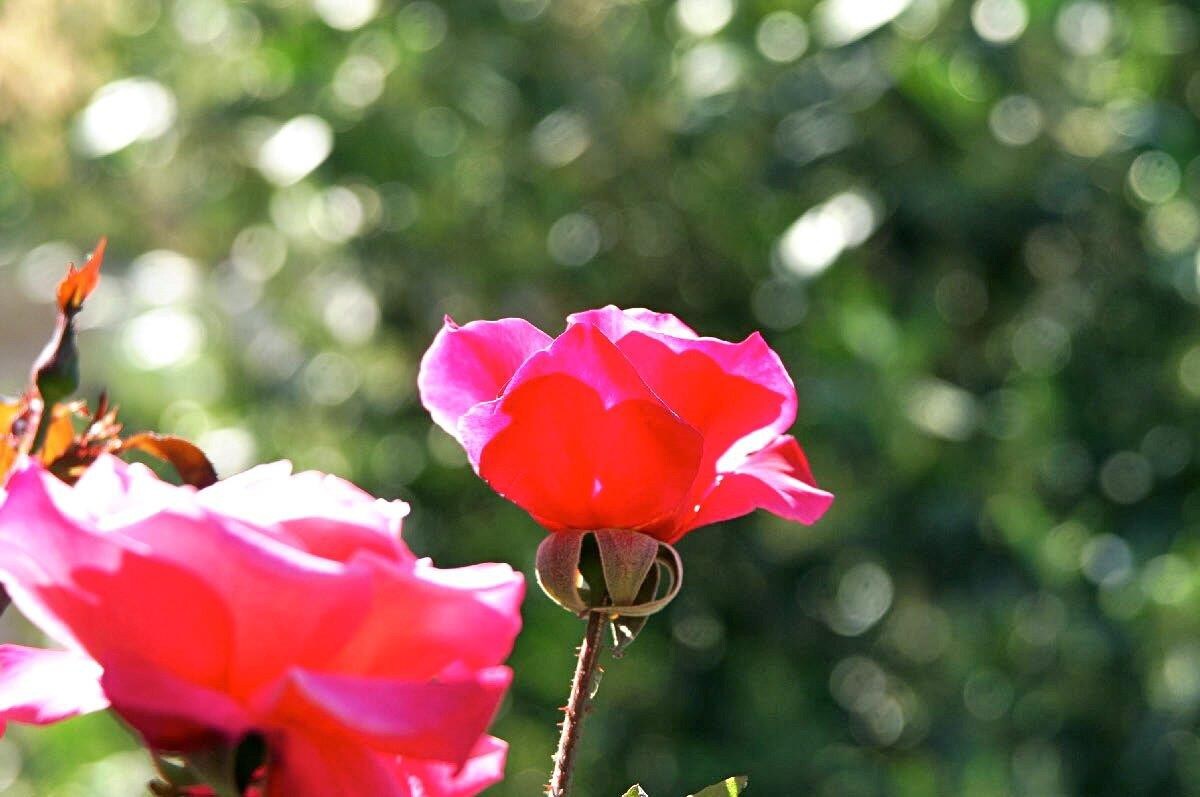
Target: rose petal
[89,589]
[170,713]
[437,719]
[737,395]
[43,686]
[682,367]
[733,393]
[580,442]
[484,768]
[311,765]
[112,493]
[318,513]
[776,479]
[304,619]
[224,612]
[286,607]
[469,615]
[616,323]
[470,364]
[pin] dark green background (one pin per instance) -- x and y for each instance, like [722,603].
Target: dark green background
[999,374]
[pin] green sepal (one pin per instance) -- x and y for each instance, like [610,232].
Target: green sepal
[227,769]
[558,570]
[625,628]
[626,558]
[617,573]
[175,772]
[215,767]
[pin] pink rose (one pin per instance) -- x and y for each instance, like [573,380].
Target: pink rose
[626,420]
[279,604]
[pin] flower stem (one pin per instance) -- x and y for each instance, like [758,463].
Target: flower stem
[578,704]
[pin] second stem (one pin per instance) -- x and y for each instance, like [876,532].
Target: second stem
[582,687]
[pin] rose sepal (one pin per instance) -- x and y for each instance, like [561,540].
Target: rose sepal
[616,572]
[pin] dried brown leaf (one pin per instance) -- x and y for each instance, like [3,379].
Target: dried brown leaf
[188,460]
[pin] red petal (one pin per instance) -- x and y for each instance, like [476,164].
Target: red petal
[78,284]
[727,391]
[737,395]
[776,479]
[317,766]
[579,441]
[469,365]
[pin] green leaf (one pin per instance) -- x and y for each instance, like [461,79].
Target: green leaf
[635,791]
[730,787]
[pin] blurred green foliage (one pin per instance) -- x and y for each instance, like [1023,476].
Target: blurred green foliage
[969,228]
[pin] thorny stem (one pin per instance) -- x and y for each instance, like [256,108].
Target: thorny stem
[578,704]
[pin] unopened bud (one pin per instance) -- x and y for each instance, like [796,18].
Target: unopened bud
[56,372]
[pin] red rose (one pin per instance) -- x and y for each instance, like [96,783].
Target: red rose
[626,420]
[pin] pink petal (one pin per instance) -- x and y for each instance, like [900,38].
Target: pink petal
[169,712]
[225,596]
[468,615]
[285,607]
[113,493]
[496,586]
[44,686]
[438,719]
[579,441]
[318,513]
[256,559]
[776,479]
[89,588]
[616,323]
[484,768]
[469,365]
[303,618]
